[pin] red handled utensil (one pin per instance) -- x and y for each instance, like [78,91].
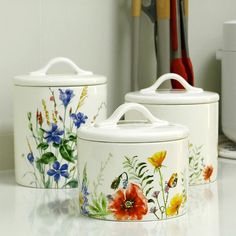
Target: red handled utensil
[177,65]
[185,47]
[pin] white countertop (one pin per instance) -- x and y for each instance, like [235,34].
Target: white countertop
[26,211]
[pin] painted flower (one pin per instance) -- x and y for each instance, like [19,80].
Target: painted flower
[79,119]
[157,159]
[174,206]
[58,171]
[156,194]
[30,157]
[129,204]
[207,173]
[83,199]
[54,134]
[66,96]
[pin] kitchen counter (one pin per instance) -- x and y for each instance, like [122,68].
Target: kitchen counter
[26,211]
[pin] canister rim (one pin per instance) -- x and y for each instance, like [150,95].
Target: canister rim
[56,80]
[133,132]
[172,97]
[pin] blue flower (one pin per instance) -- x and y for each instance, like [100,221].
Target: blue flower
[54,134]
[58,171]
[30,157]
[66,96]
[79,119]
[84,199]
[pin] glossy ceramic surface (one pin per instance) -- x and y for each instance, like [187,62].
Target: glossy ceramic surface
[45,125]
[202,121]
[133,181]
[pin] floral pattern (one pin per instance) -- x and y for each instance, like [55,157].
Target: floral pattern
[129,203]
[199,172]
[52,138]
[139,191]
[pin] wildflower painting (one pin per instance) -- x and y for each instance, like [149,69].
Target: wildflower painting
[145,189]
[52,138]
[199,172]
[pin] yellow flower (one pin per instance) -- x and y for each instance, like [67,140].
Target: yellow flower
[175,204]
[157,159]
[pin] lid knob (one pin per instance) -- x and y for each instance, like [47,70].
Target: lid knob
[43,71]
[170,76]
[121,110]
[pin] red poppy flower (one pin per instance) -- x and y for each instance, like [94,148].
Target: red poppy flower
[129,204]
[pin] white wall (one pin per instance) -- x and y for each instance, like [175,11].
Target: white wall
[96,35]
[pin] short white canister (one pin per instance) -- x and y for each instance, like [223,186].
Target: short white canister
[48,111]
[133,170]
[193,107]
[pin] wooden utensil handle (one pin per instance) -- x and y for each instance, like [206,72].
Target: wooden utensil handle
[163,9]
[186,7]
[136,8]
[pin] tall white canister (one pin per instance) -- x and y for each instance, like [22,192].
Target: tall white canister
[228,82]
[193,107]
[48,111]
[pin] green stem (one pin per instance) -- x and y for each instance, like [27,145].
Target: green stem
[156,216]
[64,123]
[162,188]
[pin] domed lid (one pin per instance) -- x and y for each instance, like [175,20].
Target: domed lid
[42,79]
[191,95]
[113,130]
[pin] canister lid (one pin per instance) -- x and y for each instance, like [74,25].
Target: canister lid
[41,78]
[153,95]
[151,130]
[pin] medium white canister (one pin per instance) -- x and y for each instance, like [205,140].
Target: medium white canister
[48,111]
[133,170]
[193,107]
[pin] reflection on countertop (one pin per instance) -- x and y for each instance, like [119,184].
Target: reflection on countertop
[26,211]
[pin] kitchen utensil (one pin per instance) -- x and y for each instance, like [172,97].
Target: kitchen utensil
[133,170]
[184,36]
[136,11]
[177,65]
[193,107]
[163,39]
[48,110]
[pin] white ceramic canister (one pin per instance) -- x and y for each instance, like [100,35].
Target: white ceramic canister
[193,107]
[48,110]
[133,170]
[228,83]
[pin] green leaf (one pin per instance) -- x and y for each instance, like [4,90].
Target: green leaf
[47,184]
[47,158]
[93,209]
[39,166]
[146,178]
[55,145]
[151,200]
[104,203]
[72,137]
[140,170]
[147,192]
[140,164]
[72,183]
[66,153]
[40,133]
[43,146]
